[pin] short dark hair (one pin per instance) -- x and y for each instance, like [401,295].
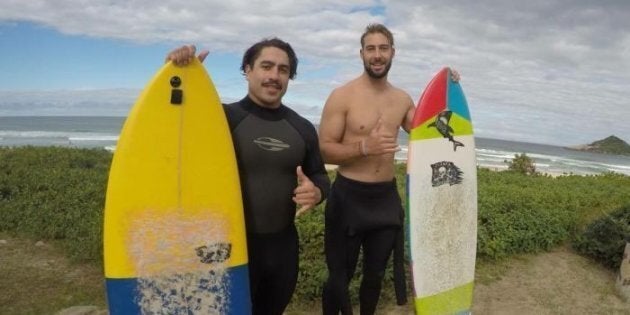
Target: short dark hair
[252,53]
[377,28]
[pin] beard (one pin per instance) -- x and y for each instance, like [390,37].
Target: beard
[375,75]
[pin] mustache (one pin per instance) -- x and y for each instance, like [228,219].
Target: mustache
[272,82]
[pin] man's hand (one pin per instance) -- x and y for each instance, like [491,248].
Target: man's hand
[306,194]
[379,141]
[184,55]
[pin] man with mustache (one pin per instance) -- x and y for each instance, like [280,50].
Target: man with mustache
[275,149]
[358,131]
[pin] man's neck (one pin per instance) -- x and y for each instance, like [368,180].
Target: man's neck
[262,104]
[376,83]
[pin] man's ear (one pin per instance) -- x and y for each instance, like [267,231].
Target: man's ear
[248,69]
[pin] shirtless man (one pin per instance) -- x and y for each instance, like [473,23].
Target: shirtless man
[358,131]
[360,121]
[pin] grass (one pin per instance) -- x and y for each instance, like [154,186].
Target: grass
[39,279]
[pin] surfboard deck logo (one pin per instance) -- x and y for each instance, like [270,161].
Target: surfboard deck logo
[174,228]
[441,123]
[445,172]
[442,199]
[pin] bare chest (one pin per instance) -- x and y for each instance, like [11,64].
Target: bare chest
[364,113]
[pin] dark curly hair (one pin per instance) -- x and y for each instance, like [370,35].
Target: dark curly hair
[252,53]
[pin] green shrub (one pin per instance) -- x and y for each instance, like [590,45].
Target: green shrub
[55,193]
[522,164]
[312,272]
[521,214]
[605,239]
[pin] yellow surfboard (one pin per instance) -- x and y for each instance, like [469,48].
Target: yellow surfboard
[174,231]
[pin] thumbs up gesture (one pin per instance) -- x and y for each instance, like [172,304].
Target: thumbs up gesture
[306,194]
[380,141]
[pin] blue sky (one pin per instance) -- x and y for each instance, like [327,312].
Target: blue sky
[553,72]
[40,57]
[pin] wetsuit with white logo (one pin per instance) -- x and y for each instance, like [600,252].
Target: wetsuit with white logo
[269,145]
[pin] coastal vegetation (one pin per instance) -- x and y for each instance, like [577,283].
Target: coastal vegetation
[605,238]
[522,164]
[58,194]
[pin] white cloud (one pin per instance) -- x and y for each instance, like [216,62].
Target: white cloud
[553,70]
[113,102]
[541,71]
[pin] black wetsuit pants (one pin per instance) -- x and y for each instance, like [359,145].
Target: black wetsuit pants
[273,270]
[343,240]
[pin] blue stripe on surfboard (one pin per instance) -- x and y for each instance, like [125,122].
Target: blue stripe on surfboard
[408,228]
[407,214]
[122,297]
[456,100]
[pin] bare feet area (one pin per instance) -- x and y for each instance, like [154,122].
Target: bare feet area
[35,278]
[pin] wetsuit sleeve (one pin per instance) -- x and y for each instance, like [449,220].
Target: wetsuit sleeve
[312,165]
[234,114]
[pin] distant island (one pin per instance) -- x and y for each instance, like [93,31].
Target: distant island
[610,145]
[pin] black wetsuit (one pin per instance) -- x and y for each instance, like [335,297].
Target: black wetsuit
[269,145]
[359,214]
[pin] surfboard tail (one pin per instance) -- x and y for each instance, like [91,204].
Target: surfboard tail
[210,292]
[454,301]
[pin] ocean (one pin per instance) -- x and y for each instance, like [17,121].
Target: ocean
[90,132]
[64,131]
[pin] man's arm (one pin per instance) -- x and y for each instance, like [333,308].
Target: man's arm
[408,119]
[331,131]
